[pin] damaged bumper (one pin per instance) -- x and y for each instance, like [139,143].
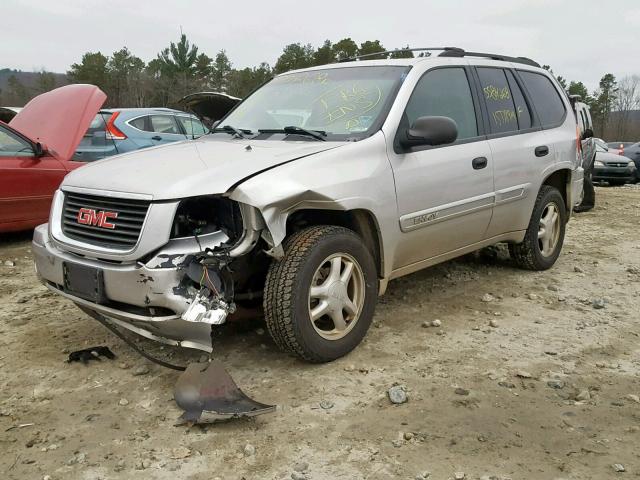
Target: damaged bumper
[149,297]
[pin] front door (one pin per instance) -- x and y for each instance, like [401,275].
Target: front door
[445,194]
[27,182]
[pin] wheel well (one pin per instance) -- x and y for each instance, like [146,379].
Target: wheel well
[560,180]
[362,222]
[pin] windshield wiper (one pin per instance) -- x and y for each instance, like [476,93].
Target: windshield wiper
[239,132]
[317,134]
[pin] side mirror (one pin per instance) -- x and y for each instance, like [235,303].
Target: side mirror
[430,131]
[39,149]
[588,133]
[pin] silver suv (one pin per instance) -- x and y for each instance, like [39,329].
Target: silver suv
[313,193]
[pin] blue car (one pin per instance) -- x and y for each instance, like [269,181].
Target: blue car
[121,130]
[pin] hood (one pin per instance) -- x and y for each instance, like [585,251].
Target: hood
[209,165]
[209,107]
[58,119]
[611,157]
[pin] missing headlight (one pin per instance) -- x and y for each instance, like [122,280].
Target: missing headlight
[201,215]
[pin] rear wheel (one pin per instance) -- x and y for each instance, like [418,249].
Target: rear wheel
[616,183]
[545,234]
[320,298]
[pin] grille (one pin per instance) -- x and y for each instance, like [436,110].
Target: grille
[127,224]
[617,164]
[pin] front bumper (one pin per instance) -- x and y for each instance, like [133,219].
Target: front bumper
[146,297]
[618,174]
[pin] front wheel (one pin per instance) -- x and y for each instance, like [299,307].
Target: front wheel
[320,298]
[545,234]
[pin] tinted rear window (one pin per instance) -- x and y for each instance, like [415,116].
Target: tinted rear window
[497,95]
[546,99]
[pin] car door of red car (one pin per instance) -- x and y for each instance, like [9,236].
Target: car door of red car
[27,182]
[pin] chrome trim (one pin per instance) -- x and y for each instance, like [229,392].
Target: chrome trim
[517,192]
[107,193]
[430,216]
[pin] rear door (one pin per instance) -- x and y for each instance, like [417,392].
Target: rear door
[27,182]
[191,126]
[513,138]
[444,193]
[165,129]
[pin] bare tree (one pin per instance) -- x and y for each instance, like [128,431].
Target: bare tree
[627,99]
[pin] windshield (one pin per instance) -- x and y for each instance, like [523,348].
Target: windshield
[346,103]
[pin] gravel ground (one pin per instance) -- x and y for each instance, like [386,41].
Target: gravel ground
[507,374]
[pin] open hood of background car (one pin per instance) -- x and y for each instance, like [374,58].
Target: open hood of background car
[58,119]
[209,107]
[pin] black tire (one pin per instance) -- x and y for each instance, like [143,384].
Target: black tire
[287,287]
[616,183]
[528,254]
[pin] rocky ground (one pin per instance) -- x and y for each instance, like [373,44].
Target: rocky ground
[505,373]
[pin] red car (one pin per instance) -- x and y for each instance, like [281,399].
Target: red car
[36,149]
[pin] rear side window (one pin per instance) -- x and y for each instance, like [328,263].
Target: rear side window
[445,92]
[522,109]
[164,124]
[141,123]
[545,97]
[497,96]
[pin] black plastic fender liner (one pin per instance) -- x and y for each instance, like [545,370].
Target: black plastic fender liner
[207,388]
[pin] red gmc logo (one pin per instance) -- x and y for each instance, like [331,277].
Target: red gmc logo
[88,216]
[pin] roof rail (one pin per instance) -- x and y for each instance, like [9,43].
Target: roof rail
[390,52]
[459,52]
[449,52]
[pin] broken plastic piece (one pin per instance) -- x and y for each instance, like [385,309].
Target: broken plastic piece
[92,353]
[206,392]
[206,309]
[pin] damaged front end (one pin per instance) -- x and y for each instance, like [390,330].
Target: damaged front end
[176,294]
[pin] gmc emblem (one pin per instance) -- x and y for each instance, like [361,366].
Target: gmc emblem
[88,216]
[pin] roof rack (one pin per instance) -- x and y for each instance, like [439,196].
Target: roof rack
[390,52]
[449,52]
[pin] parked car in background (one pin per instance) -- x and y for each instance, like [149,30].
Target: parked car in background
[611,166]
[7,113]
[121,130]
[618,147]
[208,106]
[632,151]
[36,150]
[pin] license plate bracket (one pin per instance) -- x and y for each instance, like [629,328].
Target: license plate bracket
[84,282]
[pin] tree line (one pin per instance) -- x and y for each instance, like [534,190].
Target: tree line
[182,68]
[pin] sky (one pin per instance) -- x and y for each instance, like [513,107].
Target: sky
[580,40]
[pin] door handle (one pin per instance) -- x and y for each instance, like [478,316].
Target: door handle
[156,137]
[479,163]
[541,151]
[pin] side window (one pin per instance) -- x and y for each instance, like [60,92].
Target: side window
[545,97]
[192,126]
[141,123]
[12,145]
[445,92]
[522,109]
[164,124]
[497,96]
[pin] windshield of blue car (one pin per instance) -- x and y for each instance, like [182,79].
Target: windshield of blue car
[346,103]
